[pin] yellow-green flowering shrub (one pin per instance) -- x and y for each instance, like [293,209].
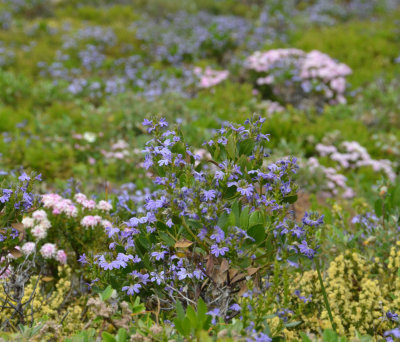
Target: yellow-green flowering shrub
[62,316]
[360,293]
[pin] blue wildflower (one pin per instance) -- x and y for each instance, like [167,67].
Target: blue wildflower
[132,289]
[217,251]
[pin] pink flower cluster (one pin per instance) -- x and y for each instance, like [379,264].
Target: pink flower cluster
[119,150]
[271,107]
[265,61]
[90,221]
[59,205]
[56,202]
[209,77]
[84,201]
[317,65]
[49,251]
[354,156]
[313,71]
[335,180]
[38,224]
[28,248]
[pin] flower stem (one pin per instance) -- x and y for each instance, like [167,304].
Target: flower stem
[194,235]
[328,308]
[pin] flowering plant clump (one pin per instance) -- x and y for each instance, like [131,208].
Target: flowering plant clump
[211,227]
[73,224]
[61,222]
[294,76]
[209,78]
[334,182]
[15,200]
[364,295]
[354,156]
[38,303]
[348,155]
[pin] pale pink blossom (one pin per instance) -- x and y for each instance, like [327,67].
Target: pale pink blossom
[264,61]
[104,206]
[48,250]
[39,232]
[348,193]
[209,77]
[89,204]
[61,257]
[79,198]
[28,222]
[91,221]
[106,223]
[50,199]
[59,205]
[39,215]
[325,150]
[120,145]
[28,248]
[45,224]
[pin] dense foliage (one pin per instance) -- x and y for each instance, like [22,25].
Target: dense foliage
[199,170]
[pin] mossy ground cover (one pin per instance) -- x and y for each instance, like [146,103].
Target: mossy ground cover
[79,79]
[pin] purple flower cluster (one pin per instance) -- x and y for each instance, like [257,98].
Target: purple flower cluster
[199,212]
[188,37]
[16,198]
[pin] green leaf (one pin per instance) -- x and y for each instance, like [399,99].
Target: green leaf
[187,327]
[180,313]
[138,308]
[161,226]
[257,232]
[178,326]
[144,242]
[191,314]
[304,337]
[106,294]
[176,219]
[201,311]
[216,153]
[244,218]
[231,148]
[235,212]
[223,221]
[246,146]
[122,335]
[255,218]
[169,241]
[108,337]
[179,148]
[160,171]
[292,324]
[365,338]
[230,192]
[243,162]
[378,207]
[329,336]
[290,199]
